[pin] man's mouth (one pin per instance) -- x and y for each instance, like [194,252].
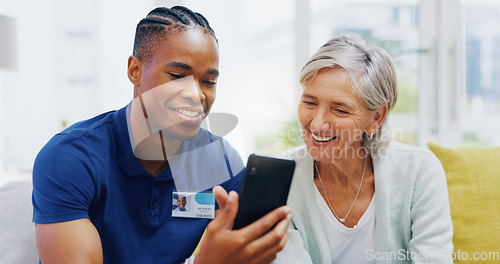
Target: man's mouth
[322,139]
[190,114]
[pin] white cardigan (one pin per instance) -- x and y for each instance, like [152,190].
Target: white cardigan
[413,222]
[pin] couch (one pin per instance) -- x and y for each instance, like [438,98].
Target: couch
[17,232]
[473,176]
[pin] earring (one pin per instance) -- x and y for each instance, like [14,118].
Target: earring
[371,136]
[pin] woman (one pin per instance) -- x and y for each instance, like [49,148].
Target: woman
[356,196]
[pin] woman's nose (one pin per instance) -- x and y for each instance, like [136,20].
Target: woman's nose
[319,121]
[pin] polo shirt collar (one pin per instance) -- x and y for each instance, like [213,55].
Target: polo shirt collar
[127,161]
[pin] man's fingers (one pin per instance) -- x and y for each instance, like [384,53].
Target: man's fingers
[231,209]
[228,211]
[284,238]
[247,245]
[275,237]
[264,224]
[271,253]
[220,195]
[265,248]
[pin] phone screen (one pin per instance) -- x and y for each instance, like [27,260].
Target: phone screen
[265,187]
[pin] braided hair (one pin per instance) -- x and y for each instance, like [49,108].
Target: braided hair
[161,22]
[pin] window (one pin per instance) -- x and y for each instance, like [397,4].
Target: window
[481,104]
[392,25]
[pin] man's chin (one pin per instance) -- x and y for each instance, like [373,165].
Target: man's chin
[182,132]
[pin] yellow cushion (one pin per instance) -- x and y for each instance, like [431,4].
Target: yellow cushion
[473,176]
[197,249]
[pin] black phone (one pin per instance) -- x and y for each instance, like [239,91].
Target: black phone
[265,187]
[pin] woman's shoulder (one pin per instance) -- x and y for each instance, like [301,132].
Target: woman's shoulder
[397,150]
[398,156]
[401,147]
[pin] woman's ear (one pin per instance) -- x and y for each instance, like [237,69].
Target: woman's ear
[134,70]
[378,118]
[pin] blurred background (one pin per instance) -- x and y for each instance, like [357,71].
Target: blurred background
[62,61]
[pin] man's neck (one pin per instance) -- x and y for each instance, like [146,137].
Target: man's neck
[152,149]
[155,167]
[165,148]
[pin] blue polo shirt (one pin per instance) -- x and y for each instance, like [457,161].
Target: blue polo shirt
[89,171]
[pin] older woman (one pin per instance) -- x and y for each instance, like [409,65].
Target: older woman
[356,196]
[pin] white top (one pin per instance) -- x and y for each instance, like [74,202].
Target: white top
[348,245]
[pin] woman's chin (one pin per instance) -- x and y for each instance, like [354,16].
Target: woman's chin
[320,153]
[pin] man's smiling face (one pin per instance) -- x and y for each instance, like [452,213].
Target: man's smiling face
[177,85]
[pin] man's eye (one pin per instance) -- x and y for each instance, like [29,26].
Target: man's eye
[176,76]
[341,111]
[210,83]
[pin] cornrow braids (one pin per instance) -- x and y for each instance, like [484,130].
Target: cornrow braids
[161,22]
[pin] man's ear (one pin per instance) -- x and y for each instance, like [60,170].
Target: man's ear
[134,70]
[379,116]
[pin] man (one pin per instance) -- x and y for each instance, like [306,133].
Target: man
[102,189]
[181,204]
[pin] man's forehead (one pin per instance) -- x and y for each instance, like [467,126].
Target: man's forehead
[187,67]
[188,51]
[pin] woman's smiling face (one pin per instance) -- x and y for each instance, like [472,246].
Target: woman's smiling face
[332,116]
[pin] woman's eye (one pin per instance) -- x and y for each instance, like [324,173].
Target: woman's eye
[309,103]
[341,111]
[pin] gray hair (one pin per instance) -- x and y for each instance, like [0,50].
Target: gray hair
[371,73]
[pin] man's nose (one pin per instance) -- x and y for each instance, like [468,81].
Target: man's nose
[192,90]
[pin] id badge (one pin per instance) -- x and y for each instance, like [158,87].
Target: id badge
[193,205]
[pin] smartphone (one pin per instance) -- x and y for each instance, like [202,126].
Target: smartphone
[265,187]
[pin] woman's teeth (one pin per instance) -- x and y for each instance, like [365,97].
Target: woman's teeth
[188,113]
[321,139]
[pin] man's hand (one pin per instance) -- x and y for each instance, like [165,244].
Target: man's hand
[250,244]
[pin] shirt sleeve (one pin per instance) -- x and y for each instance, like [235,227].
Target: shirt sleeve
[431,228]
[63,187]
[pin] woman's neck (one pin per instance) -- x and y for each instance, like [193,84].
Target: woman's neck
[344,171]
